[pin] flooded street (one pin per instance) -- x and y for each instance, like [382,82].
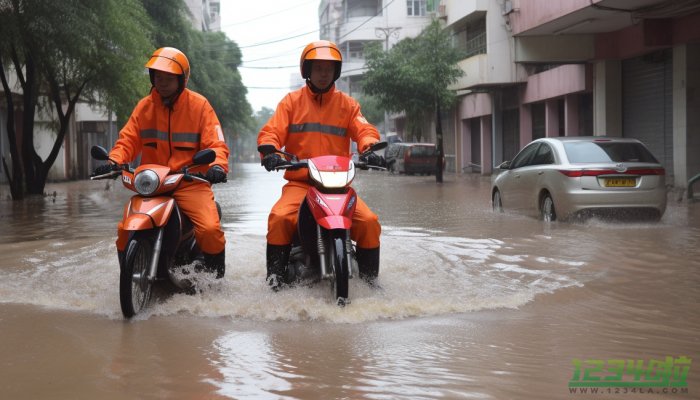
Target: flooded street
[474,305]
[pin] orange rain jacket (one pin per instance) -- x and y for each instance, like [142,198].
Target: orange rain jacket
[310,125]
[172,137]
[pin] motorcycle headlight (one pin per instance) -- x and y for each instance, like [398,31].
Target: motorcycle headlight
[332,179]
[146,182]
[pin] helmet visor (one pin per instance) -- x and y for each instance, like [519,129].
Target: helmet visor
[323,53]
[165,64]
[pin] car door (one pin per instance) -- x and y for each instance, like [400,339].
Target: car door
[532,175]
[514,188]
[400,159]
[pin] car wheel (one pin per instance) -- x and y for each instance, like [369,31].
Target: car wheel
[547,210]
[496,202]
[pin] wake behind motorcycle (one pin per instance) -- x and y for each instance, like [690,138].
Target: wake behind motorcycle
[322,248]
[161,237]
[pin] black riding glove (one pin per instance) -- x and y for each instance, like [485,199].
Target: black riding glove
[373,159]
[216,174]
[105,169]
[272,161]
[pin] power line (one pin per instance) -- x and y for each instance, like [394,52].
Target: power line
[268,15]
[277,40]
[367,20]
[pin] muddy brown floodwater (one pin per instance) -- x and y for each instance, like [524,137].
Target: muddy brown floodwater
[474,304]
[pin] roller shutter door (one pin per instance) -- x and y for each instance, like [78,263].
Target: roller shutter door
[647,104]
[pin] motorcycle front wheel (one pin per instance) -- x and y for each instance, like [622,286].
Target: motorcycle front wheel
[134,286]
[340,270]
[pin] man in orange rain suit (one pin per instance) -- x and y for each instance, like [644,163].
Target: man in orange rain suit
[168,127]
[313,121]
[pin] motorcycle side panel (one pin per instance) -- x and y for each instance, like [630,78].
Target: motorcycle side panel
[148,212]
[332,211]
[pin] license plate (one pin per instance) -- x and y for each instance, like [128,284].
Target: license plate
[620,182]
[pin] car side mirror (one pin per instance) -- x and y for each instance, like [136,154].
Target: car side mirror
[504,165]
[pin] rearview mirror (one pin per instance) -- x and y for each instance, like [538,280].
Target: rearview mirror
[266,149]
[378,146]
[504,165]
[99,153]
[206,156]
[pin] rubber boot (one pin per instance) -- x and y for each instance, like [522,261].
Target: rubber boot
[368,264]
[216,263]
[277,260]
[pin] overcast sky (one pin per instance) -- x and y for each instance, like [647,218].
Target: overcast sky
[290,24]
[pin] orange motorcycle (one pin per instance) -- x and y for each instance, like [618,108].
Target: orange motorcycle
[161,237]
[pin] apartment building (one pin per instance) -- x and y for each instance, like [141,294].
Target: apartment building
[538,68]
[352,24]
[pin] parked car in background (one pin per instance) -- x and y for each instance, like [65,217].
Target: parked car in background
[563,177]
[411,158]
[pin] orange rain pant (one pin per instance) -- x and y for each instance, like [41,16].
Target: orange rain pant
[196,200]
[283,219]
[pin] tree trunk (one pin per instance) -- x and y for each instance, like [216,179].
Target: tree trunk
[16,179]
[440,152]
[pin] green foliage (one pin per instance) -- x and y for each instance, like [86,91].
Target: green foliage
[414,75]
[371,108]
[214,61]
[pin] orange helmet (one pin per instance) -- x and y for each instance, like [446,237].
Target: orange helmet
[320,50]
[171,60]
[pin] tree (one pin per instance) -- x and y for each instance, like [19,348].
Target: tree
[214,62]
[63,52]
[413,77]
[371,108]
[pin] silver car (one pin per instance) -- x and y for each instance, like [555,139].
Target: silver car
[564,177]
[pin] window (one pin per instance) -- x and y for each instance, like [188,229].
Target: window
[604,152]
[524,156]
[420,8]
[544,156]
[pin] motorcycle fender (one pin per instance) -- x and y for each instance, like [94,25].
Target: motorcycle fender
[335,222]
[324,205]
[148,212]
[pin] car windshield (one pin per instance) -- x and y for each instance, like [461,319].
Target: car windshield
[423,151]
[605,152]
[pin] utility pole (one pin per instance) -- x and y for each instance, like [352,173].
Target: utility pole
[386,33]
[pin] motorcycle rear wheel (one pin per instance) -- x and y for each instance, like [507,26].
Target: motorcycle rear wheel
[134,286]
[340,270]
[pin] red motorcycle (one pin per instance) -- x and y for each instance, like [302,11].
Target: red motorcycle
[321,247]
[161,237]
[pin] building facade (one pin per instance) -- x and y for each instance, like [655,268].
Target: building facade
[537,68]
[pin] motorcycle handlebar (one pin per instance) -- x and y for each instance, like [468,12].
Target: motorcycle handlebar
[295,165]
[197,176]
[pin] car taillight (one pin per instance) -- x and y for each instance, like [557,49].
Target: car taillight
[576,173]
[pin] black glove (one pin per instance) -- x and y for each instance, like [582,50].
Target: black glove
[372,158]
[105,169]
[216,174]
[271,161]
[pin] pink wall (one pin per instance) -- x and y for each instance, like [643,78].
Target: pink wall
[556,82]
[647,36]
[537,12]
[475,105]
